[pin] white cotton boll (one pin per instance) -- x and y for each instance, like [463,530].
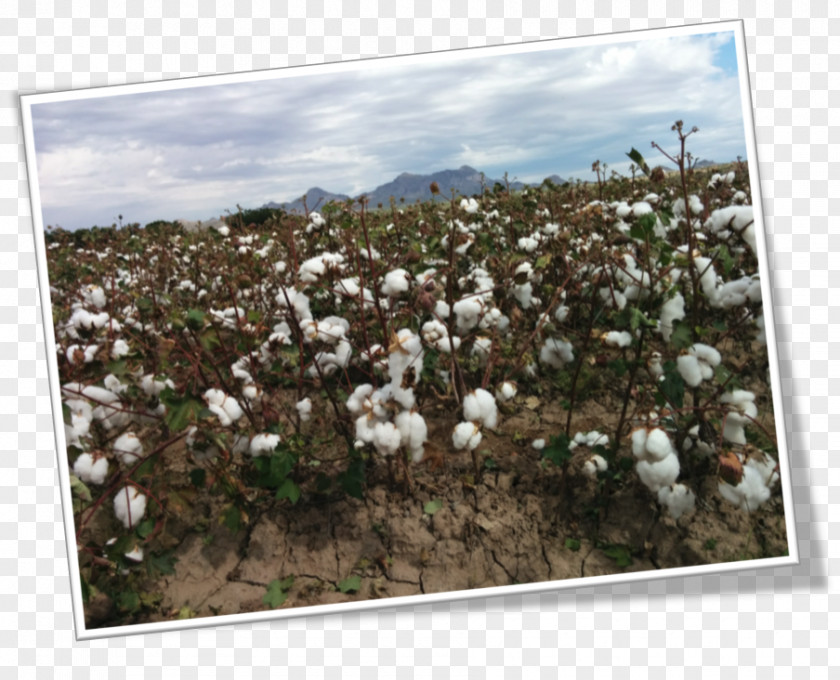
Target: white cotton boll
[364,428]
[85,354]
[739,197]
[95,295]
[538,444]
[224,230]
[672,310]
[660,473]
[467,313]
[413,433]
[154,387]
[528,244]
[214,397]
[658,445]
[304,409]
[386,438]
[708,277]
[749,494]
[441,309]
[641,208]
[466,436]
[481,349]
[129,506]
[470,205]
[617,339]
[733,430]
[395,283]
[594,465]
[766,467]
[678,498]
[480,406]
[761,336]
[119,349]
[128,448]
[689,368]
[91,471]
[562,312]
[556,353]
[506,391]
[135,555]
[263,444]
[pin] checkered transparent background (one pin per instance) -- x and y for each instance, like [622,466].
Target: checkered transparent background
[717,625]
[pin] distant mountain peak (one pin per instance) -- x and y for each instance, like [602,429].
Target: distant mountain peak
[408,187]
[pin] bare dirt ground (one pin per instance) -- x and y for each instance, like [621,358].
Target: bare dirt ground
[519,522]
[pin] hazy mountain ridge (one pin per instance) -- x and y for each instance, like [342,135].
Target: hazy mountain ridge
[411,187]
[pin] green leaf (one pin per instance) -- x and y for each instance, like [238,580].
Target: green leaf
[672,385]
[161,563]
[725,258]
[557,450]
[351,584]
[289,490]
[681,335]
[639,160]
[573,544]
[643,228]
[198,477]
[618,366]
[79,489]
[276,594]
[118,367]
[232,518]
[128,601]
[180,411]
[432,507]
[352,480]
[195,319]
[145,527]
[620,554]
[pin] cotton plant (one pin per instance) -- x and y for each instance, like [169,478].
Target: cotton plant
[658,467]
[747,478]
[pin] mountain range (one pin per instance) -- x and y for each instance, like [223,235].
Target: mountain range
[466,181]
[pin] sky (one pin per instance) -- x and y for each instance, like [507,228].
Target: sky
[197,152]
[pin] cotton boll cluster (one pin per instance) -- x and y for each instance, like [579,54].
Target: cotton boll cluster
[617,339]
[78,354]
[695,206]
[90,470]
[435,333]
[225,407]
[658,465]
[742,410]
[589,439]
[556,353]
[94,295]
[672,310]
[304,409]
[129,506]
[734,219]
[396,283]
[316,222]
[413,433]
[470,205]
[468,312]
[698,364]
[480,407]
[506,391]
[678,498]
[263,444]
[481,349]
[466,435]
[107,407]
[595,464]
[128,448]
[754,473]
[314,268]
